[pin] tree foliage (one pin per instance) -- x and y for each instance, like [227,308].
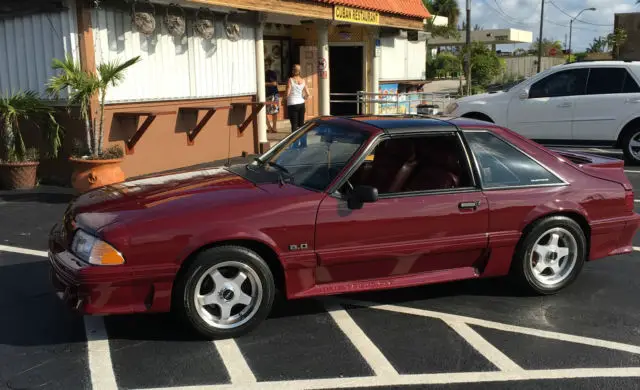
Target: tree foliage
[84,86]
[547,45]
[20,106]
[485,64]
[448,9]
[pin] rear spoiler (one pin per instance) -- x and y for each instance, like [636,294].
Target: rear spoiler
[606,168]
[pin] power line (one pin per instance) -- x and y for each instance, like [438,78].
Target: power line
[509,19]
[578,20]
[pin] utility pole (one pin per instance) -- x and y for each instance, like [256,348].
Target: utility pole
[468,45]
[540,39]
[571,27]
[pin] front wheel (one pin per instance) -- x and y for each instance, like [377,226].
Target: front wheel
[631,145]
[226,292]
[550,256]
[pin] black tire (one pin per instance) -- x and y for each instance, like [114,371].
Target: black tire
[627,136]
[185,290]
[521,272]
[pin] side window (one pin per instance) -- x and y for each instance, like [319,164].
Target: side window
[630,85]
[427,163]
[502,165]
[564,83]
[603,81]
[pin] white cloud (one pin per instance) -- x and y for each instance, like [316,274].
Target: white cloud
[525,15]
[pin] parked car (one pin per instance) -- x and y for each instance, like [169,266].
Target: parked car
[584,103]
[340,206]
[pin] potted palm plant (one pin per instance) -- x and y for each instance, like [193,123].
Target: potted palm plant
[19,164]
[93,166]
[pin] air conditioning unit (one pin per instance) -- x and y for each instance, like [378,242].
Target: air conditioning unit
[387,32]
[416,36]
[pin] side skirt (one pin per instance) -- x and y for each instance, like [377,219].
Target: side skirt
[382,283]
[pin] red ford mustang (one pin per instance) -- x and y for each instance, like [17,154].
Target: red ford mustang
[342,205]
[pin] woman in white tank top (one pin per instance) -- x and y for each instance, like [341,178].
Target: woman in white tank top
[297,93]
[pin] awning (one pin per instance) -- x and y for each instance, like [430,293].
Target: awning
[411,8]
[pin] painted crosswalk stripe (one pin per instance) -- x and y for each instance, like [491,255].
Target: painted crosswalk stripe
[376,359]
[491,353]
[234,361]
[23,251]
[100,366]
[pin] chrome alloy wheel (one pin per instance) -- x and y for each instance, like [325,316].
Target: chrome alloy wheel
[634,146]
[553,257]
[228,295]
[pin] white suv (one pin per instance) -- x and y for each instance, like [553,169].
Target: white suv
[593,103]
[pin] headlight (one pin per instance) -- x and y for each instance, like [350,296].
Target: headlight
[451,108]
[95,251]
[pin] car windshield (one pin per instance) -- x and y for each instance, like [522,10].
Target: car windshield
[315,154]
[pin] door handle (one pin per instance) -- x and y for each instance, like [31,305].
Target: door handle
[564,105]
[632,100]
[468,205]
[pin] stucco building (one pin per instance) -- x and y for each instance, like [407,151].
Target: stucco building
[193,81]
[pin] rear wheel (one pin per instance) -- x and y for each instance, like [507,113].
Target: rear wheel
[550,256]
[631,145]
[226,292]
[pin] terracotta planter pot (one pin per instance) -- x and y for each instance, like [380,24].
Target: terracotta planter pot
[90,174]
[18,176]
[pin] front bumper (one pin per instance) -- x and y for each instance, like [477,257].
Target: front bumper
[94,289]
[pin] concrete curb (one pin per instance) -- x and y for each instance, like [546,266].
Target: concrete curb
[40,190]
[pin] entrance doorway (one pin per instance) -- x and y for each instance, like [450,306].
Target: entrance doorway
[346,75]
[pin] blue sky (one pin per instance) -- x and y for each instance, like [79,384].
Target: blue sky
[525,15]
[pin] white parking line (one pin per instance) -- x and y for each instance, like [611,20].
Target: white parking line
[491,353]
[636,248]
[236,365]
[630,171]
[428,379]
[376,360]
[100,366]
[23,251]
[499,326]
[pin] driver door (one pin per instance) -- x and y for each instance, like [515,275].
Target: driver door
[409,231]
[547,111]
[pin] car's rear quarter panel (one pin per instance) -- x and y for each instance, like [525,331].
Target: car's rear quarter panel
[601,204]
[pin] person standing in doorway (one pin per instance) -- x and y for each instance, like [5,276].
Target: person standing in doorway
[297,93]
[271,89]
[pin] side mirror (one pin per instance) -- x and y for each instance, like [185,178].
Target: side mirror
[361,195]
[524,94]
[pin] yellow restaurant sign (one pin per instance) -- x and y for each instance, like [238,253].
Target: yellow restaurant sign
[355,15]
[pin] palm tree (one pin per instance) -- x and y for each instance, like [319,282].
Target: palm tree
[85,86]
[599,45]
[448,8]
[25,105]
[616,39]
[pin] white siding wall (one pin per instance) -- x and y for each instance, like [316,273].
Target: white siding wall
[392,58]
[29,43]
[401,59]
[173,68]
[416,60]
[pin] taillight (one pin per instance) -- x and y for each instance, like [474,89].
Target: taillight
[629,200]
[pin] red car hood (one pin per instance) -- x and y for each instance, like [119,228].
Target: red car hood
[150,197]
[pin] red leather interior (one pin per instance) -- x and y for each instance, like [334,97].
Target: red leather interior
[439,166]
[400,165]
[394,162]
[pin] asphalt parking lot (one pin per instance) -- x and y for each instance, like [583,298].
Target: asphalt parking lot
[466,335]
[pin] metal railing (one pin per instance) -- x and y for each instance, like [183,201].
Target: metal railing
[393,104]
